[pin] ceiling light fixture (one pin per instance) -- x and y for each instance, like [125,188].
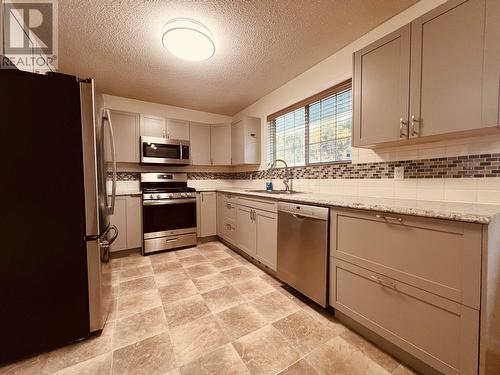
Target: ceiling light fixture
[188,39]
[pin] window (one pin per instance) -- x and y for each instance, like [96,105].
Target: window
[315,130]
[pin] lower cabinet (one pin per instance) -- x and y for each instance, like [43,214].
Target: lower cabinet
[414,281]
[267,237]
[247,230]
[128,219]
[249,224]
[206,209]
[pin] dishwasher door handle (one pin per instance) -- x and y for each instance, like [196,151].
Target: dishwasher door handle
[298,216]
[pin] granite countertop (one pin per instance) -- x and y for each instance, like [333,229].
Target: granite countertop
[467,212]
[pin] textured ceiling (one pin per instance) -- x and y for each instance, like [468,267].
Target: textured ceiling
[261,44]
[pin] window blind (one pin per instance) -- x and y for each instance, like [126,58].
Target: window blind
[315,130]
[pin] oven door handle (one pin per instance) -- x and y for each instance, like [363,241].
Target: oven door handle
[165,202]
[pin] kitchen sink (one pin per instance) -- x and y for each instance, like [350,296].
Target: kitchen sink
[274,191]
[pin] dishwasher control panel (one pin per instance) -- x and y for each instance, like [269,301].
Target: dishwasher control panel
[304,210]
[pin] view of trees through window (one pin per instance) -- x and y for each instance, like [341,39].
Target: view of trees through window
[317,132]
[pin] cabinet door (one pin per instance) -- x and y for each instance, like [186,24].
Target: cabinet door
[237,143]
[267,238]
[247,230]
[119,218]
[251,140]
[200,143]
[208,212]
[491,81]
[220,144]
[134,222]
[220,217]
[381,90]
[153,126]
[447,69]
[178,129]
[126,132]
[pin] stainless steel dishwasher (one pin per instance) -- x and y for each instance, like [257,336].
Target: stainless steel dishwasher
[303,249]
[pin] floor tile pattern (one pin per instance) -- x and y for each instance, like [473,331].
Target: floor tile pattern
[207,310]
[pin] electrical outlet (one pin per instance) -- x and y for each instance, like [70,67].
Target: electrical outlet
[399,173]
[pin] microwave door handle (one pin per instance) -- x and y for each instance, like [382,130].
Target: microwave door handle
[107,118]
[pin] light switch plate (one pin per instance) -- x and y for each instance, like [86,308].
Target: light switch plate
[399,173]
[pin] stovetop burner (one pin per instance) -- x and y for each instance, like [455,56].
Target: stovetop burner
[165,182]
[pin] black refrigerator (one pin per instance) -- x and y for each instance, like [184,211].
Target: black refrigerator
[55,276]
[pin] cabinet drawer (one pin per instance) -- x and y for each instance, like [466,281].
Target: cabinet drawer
[228,197]
[229,210]
[440,332]
[229,230]
[259,204]
[440,256]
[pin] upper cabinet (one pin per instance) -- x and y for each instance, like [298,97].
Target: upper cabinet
[200,144]
[178,129]
[491,79]
[154,126]
[126,134]
[382,89]
[220,144]
[447,69]
[245,141]
[434,79]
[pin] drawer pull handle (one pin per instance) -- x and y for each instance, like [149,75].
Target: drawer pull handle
[228,205]
[172,239]
[390,218]
[387,284]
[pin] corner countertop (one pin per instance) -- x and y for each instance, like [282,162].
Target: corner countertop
[466,212]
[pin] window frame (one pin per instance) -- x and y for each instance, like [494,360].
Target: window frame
[271,137]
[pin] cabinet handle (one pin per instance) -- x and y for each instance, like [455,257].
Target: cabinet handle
[403,128]
[414,126]
[390,218]
[388,284]
[228,205]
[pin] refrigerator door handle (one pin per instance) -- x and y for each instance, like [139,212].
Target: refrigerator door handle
[115,233]
[107,118]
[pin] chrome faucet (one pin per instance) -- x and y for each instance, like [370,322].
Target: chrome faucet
[287,181]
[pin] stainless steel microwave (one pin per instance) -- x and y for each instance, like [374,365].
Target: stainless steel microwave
[165,151]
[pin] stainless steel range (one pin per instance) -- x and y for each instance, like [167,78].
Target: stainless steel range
[169,211]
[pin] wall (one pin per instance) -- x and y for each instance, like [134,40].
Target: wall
[163,110]
[338,68]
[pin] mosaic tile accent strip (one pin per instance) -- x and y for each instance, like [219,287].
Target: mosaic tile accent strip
[127,176]
[485,165]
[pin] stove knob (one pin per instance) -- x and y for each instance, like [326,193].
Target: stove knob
[158,196]
[183,195]
[151,196]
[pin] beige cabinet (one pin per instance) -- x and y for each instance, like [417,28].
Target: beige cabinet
[200,143]
[447,70]
[245,141]
[178,129]
[207,213]
[119,219]
[152,126]
[134,222]
[491,79]
[247,230]
[220,216]
[267,237]
[126,133]
[381,89]
[414,281]
[128,219]
[220,144]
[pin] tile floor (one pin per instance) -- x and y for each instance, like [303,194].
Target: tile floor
[207,310]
